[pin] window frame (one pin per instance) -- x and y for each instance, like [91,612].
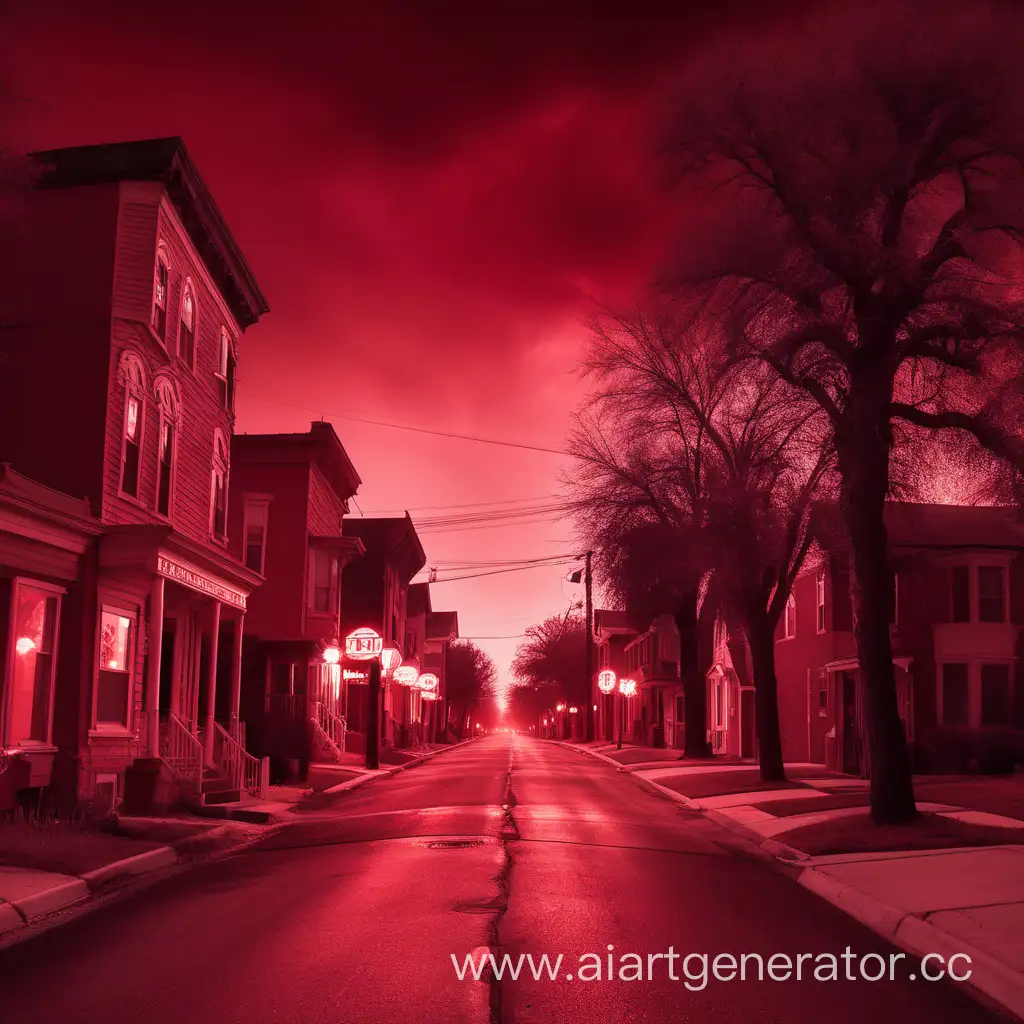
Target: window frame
[974,721]
[7,691]
[132,613]
[162,260]
[220,471]
[189,289]
[169,416]
[334,582]
[789,618]
[227,366]
[255,502]
[132,380]
[1010,694]
[1003,594]
[820,617]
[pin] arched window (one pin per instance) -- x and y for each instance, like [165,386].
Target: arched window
[187,327]
[161,289]
[219,488]
[226,369]
[167,403]
[133,379]
[789,622]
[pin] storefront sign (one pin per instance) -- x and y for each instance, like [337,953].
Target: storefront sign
[195,580]
[351,675]
[363,644]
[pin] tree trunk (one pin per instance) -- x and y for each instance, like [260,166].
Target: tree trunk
[761,638]
[692,677]
[863,450]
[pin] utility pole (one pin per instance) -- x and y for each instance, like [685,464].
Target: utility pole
[373,717]
[588,720]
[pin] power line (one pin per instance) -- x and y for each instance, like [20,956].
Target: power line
[420,430]
[493,572]
[468,504]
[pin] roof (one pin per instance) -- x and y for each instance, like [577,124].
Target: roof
[44,501]
[443,626]
[939,527]
[418,598]
[320,445]
[608,621]
[168,162]
[392,536]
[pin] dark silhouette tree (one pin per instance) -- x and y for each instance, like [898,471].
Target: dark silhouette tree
[861,229]
[551,660]
[697,475]
[470,678]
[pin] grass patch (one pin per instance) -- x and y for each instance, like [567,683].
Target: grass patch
[859,834]
[68,848]
[708,784]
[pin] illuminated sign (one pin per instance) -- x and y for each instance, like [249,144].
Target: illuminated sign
[627,687]
[350,675]
[406,675]
[428,681]
[606,681]
[363,644]
[332,655]
[390,659]
[429,696]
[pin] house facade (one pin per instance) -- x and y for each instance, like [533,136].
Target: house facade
[956,612]
[732,729]
[612,633]
[122,248]
[652,660]
[442,629]
[376,586]
[289,494]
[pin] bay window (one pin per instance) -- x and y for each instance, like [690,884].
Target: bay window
[975,694]
[160,292]
[36,613]
[133,426]
[995,694]
[991,596]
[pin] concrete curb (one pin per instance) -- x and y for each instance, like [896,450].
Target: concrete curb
[990,976]
[140,864]
[381,773]
[55,898]
[9,918]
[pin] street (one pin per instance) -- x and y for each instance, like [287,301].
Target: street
[352,913]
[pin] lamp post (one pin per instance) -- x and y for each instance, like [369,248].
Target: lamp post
[627,688]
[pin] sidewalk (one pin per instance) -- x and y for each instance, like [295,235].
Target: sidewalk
[951,883]
[44,869]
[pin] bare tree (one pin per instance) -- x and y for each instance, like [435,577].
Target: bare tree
[470,679]
[701,470]
[552,658]
[861,230]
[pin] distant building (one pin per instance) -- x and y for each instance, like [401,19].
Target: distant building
[289,494]
[442,629]
[125,298]
[376,589]
[956,612]
[612,633]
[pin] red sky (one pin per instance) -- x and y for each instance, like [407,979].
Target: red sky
[432,204]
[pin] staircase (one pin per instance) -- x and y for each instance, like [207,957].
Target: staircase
[216,789]
[329,732]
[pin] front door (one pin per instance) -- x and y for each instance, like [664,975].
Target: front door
[851,734]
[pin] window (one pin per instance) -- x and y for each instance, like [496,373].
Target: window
[187,327]
[226,370]
[995,694]
[133,379]
[960,594]
[955,694]
[160,289]
[36,613]
[117,635]
[256,534]
[323,581]
[820,601]
[219,488]
[167,402]
[789,619]
[991,603]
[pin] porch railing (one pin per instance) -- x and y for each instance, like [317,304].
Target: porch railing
[235,763]
[331,728]
[182,752]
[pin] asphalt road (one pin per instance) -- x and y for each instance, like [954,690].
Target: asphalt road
[350,916]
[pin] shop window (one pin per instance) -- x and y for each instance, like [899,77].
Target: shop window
[113,690]
[30,692]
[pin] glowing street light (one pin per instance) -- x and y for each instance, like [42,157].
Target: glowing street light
[332,654]
[573,711]
[428,682]
[390,659]
[606,681]
[24,644]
